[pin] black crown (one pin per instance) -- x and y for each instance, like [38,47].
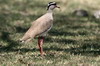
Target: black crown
[51,3]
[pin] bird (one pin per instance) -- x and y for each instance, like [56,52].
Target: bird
[40,27]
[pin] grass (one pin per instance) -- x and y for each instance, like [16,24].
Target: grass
[73,41]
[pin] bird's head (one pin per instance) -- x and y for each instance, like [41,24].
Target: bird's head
[52,5]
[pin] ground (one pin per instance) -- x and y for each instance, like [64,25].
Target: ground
[73,40]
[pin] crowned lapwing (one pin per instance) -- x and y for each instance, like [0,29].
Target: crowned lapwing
[40,27]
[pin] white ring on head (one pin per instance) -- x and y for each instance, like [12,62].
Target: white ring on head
[50,3]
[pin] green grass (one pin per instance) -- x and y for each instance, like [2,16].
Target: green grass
[73,41]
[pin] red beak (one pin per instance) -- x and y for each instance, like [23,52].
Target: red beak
[57,6]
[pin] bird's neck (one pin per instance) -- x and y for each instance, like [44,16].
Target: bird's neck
[50,11]
[49,14]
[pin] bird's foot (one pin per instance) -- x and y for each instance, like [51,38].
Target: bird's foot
[43,54]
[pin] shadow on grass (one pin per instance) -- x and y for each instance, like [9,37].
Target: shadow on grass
[21,29]
[55,32]
[75,51]
[60,40]
[87,49]
[10,43]
[90,48]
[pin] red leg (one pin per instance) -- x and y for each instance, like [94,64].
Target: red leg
[40,43]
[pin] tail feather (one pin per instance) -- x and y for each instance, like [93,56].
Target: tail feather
[25,40]
[21,41]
